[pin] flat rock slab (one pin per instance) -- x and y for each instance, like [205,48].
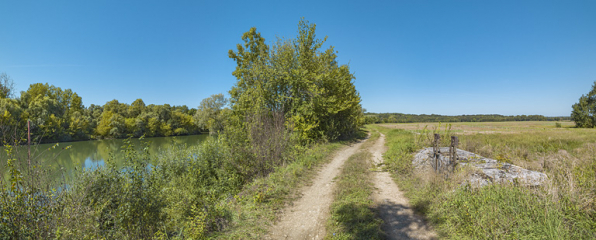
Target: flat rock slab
[490,170]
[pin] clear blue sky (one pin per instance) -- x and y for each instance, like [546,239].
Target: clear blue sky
[442,57]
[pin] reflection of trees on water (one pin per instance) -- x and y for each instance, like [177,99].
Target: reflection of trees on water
[61,162]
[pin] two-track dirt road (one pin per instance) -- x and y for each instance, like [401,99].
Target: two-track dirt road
[306,218]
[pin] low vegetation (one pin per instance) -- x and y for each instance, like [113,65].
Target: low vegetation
[353,214]
[563,208]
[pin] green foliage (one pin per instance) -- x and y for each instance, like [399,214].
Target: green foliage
[584,111]
[211,113]
[260,143]
[122,202]
[295,78]
[6,86]
[58,115]
[27,207]
[117,120]
[10,115]
[401,145]
[177,193]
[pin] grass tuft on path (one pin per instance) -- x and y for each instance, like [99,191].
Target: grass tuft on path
[352,212]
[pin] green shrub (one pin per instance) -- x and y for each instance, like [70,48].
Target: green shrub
[27,206]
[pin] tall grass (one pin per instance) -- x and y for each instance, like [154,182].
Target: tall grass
[562,208]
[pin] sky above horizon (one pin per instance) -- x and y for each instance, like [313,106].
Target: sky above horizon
[418,57]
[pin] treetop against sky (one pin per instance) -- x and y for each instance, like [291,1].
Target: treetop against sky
[443,57]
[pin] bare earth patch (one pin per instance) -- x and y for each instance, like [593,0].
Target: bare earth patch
[399,219]
[307,217]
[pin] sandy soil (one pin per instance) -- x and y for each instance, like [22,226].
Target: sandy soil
[307,217]
[400,222]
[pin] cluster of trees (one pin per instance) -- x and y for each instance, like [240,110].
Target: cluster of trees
[294,81]
[584,111]
[410,118]
[297,81]
[58,115]
[119,120]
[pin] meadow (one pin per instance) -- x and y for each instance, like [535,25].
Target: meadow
[562,208]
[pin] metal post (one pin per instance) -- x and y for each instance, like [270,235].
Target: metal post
[29,141]
[437,150]
[453,151]
[29,146]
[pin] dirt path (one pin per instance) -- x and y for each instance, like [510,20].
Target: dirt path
[400,222]
[307,217]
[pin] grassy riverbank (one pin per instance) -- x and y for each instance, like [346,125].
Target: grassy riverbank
[180,192]
[563,208]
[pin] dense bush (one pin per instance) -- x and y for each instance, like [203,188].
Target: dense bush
[177,193]
[294,77]
[584,111]
[28,206]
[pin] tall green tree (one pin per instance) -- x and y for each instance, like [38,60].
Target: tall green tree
[6,86]
[584,111]
[211,113]
[51,111]
[296,78]
[10,111]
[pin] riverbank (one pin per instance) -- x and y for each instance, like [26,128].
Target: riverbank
[177,192]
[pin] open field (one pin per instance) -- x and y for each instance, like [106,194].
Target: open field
[467,128]
[562,208]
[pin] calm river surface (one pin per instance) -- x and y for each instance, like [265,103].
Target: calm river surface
[61,161]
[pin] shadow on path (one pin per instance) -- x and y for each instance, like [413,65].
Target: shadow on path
[401,223]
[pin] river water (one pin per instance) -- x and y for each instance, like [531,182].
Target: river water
[62,159]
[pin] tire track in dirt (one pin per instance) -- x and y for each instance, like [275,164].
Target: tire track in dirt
[399,219]
[307,217]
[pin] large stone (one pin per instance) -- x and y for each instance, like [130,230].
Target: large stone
[489,170]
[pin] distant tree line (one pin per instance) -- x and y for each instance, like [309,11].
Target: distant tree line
[412,118]
[58,115]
